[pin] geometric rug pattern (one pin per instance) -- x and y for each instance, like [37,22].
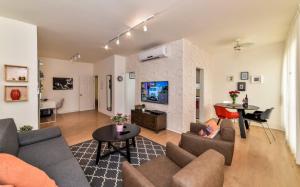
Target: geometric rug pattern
[108,171]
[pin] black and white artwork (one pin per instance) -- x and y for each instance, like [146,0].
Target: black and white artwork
[62,83]
[241,86]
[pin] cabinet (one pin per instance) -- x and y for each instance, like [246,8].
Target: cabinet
[150,119]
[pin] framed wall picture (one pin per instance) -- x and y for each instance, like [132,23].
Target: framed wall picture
[62,83]
[15,73]
[15,93]
[230,78]
[131,75]
[245,75]
[257,79]
[241,86]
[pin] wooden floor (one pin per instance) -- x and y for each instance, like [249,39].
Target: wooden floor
[256,163]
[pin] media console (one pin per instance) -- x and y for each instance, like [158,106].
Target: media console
[151,119]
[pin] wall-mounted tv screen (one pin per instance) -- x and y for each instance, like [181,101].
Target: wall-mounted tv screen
[62,83]
[155,92]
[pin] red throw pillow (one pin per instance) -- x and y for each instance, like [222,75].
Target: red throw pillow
[17,173]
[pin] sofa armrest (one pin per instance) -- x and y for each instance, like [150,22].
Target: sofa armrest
[195,127]
[198,145]
[133,178]
[206,170]
[36,136]
[227,131]
[180,156]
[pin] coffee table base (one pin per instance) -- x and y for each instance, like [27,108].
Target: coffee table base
[115,149]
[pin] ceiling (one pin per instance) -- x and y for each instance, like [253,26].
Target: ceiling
[66,27]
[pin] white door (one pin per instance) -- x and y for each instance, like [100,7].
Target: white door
[86,93]
[129,93]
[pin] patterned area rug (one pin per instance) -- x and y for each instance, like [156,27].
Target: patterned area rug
[108,171]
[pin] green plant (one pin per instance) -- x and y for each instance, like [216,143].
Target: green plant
[26,128]
[119,118]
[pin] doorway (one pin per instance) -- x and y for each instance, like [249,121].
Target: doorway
[86,93]
[199,94]
[96,93]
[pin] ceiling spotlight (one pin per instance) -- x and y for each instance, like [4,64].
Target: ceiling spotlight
[118,41]
[106,47]
[128,33]
[145,28]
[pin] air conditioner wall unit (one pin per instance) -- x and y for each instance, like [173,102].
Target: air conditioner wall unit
[154,53]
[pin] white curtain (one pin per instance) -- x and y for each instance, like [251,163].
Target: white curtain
[291,88]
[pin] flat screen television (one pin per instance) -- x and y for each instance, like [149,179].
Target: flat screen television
[155,92]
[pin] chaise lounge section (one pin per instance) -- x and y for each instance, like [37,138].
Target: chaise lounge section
[178,168]
[45,149]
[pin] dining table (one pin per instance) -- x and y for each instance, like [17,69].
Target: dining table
[243,124]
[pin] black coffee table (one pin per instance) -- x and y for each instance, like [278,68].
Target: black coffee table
[109,134]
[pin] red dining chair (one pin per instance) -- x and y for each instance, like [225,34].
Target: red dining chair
[223,113]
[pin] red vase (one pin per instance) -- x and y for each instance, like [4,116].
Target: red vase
[15,94]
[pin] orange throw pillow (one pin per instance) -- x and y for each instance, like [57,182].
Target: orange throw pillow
[214,126]
[16,172]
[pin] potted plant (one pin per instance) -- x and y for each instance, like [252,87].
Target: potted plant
[119,120]
[234,94]
[25,128]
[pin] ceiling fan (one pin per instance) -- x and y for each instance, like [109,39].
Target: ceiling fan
[238,45]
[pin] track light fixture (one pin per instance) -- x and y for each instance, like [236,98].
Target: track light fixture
[118,41]
[128,32]
[145,28]
[75,57]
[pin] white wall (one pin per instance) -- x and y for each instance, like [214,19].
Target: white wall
[193,58]
[164,69]
[18,46]
[114,65]
[179,68]
[262,60]
[64,68]
[119,86]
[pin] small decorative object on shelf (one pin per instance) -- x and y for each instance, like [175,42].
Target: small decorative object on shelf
[119,120]
[15,73]
[234,95]
[25,128]
[245,102]
[15,93]
[143,107]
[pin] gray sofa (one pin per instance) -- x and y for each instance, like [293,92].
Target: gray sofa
[45,149]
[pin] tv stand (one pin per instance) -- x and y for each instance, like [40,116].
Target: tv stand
[151,119]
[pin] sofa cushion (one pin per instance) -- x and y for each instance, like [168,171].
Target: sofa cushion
[159,171]
[16,172]
[45,153]
[67,173]
[8,137]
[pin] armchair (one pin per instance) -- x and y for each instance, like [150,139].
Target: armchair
[223,142]
[177,169]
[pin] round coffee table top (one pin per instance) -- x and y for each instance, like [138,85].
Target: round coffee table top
[109,133]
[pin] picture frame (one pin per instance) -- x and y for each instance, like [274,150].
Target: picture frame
[131,75]
[62,83]
[230,78]
[241,86]
[257,79]
[15,73]
[15,93]
[244,75]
